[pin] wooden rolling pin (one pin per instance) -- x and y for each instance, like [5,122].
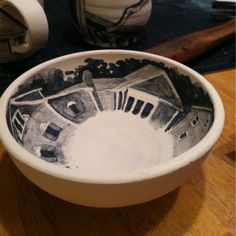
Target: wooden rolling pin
[188,47]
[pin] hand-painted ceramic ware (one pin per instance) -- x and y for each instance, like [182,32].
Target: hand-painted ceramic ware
[110,128]
[23,29]
[110,24]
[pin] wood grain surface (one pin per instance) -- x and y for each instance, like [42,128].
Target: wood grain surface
[188,47]
[205,205]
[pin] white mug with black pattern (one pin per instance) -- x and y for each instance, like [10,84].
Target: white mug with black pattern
[107,23]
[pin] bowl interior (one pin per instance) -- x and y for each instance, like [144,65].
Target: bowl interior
[109,112]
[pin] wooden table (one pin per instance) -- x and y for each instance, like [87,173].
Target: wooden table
[203,206]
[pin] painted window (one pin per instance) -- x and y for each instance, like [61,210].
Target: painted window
[52,131]
[75,108]
[19,121]
[147,110]
[183,136]
[120,100]
[138,107]
[48,153]
[125,97]
[129,104]
[206,125]
[18,126]
[195,121]
[20,118]
[114,101]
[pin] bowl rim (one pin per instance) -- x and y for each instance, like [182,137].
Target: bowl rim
[16,151]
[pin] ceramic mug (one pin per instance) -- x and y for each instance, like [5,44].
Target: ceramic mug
[23,29]
[108,23]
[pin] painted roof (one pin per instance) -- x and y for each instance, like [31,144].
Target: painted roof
[154,81]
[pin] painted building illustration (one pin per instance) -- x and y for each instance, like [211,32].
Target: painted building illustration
[191,129]
[97,28]
[147,93]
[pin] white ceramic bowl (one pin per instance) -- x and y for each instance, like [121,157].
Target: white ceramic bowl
[110,128]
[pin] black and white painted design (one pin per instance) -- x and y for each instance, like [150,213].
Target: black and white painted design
[99,27]
[12,33]
[50,106]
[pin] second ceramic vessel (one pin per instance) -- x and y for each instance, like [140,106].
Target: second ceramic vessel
[23,29]
[111,23]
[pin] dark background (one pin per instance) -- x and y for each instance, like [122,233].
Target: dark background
[170,18]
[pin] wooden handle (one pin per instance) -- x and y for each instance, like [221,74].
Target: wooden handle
[187,47]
